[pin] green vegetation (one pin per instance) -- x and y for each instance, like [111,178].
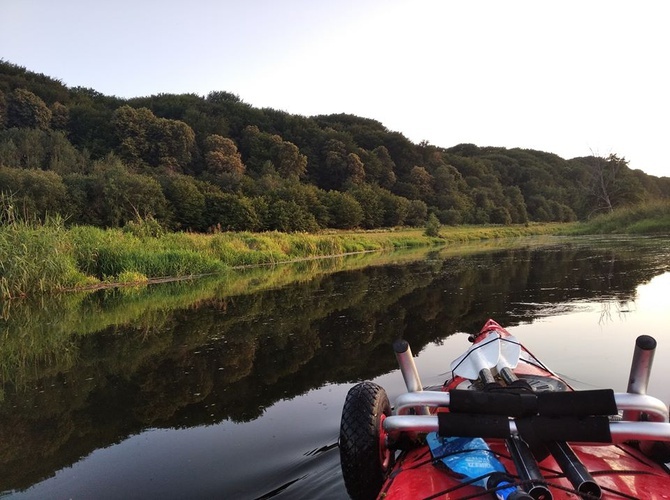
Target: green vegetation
[35,257]
[216,164]
[432,226]
[649,218]
[40,257]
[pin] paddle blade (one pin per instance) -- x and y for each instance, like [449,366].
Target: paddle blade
[479,356]
[510,352]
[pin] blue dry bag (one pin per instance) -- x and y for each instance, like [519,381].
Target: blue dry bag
[472,458]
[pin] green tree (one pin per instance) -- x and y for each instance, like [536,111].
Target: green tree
[145,139]
[36,193]
[204,121]
[432,226]
[290,161]
[25,109]
[22,148]
[221,97]
[288,216]
[396,209]
[3,110]
[335,173]
[335,166]
[423,180]
[306,196]
[60,155]
[451,194]
[261,207]
[500,215]
[405,154]
[128,195]
[172,144]
[355,169]
[132,129]
[517,205]
[256,148]
[90,127]
[111,195]
[43,149]
[379,167]
[187,202]
[85,202]
[259,148]
[407,190]
[60,116]
[370,201]
[451,217]
[229,212]
[222,156]
[9,154]
[540,207]
[417,213]
[343,209]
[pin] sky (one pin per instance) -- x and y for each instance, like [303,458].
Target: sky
[570,77]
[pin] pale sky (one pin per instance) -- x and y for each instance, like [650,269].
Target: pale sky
[571,77]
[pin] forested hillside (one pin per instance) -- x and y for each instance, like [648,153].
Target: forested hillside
[215,163]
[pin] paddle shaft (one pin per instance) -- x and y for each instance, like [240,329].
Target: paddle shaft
[527,468]
[507,375]
[572,467]
[524,461]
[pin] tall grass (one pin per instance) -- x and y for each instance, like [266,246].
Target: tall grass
[105,254]
[649,218]
[34,256]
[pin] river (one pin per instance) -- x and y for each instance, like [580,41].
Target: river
[232,387]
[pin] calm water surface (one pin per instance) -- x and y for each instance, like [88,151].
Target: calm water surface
[234,388]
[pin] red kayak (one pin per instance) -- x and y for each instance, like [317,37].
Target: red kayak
[505,426]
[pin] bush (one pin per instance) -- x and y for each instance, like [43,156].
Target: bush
[432,226]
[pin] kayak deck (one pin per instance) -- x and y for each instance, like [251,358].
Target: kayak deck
[620,471]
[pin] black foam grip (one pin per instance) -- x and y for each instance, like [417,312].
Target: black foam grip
[493,403]
[540,429]
[577,403]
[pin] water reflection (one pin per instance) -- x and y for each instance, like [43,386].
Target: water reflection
[88,371]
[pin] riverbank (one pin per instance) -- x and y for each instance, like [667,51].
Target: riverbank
[49,257]
[647,219]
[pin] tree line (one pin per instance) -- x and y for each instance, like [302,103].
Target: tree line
[216,163]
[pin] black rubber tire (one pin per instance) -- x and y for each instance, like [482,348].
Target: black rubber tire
[364,459]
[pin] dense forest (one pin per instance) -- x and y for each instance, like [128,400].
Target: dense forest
[215,163]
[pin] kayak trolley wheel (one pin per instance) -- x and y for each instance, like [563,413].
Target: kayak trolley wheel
[364,457]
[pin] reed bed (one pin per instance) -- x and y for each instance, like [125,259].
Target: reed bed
[647,219]
[46,257]
[36,258]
